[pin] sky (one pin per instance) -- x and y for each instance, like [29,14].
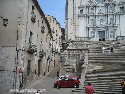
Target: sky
[54,8]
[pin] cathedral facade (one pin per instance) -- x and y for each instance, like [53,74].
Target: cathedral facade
[95,20]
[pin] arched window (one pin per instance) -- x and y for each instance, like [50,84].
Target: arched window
[92,10]
[101,21]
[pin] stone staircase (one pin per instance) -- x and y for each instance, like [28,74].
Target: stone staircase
[106,70]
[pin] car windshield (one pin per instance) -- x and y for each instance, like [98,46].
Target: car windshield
[66,77]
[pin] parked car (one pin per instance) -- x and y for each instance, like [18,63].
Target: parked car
[65,82]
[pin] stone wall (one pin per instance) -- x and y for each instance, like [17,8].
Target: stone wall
[25,50]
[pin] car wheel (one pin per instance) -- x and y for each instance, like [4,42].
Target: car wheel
[58,86]
[76,86]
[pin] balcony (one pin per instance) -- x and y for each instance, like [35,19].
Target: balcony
[42,29]
[33,17]
[102,26]
[31,48]
[41,54]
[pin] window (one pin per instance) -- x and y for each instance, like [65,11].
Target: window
[99,1]
[92,21]
[37,35]
[5,22]
[92,10]
[81,11]
[33,16]
[28,67]
[30,38]
[122,9]
[33,7]
[39,67]
[112,34]
[100,11]
[111,9]
[101,21]
[17,34]
[111,21]
[42,29]
[38,23]
[42,20]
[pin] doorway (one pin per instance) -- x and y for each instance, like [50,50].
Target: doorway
[101,35]
[28,67]
[39,67]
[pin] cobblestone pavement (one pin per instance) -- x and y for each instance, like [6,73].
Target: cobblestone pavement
[47,86]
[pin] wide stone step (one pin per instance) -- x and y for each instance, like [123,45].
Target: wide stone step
[101,85]
[106,77]
[107,85]
[96,87]
[107,73]
[112,92]
[106,80]
[106,54]
[103,82]
[107,89]
[120,50]
[107,61]
[117,91]
[92,50]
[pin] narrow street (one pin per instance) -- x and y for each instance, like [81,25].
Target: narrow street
[47,84]
[46,87]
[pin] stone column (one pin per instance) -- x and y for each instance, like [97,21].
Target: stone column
[84,68]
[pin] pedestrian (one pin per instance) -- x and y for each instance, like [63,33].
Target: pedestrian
[57,74]
[89,89]
[103,50]
[123,86]
[111,49]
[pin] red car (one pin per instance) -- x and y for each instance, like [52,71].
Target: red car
[71,81]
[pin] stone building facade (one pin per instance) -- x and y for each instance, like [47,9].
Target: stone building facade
[25,43]
[96,19]
[57,39]
[71,19]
